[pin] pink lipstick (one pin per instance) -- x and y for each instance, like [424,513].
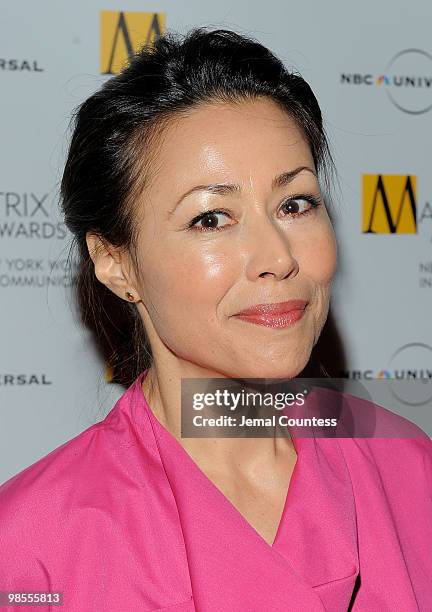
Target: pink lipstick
[277,315]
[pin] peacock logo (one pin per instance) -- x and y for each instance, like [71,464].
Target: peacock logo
[383,79]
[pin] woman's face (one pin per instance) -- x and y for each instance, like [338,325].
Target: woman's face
[269,244]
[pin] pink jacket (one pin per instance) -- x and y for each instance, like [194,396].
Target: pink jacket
[121,519]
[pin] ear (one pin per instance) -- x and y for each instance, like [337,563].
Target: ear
[109,266]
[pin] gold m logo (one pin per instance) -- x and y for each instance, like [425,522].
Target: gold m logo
[389,204]
[109,372]
[123,33]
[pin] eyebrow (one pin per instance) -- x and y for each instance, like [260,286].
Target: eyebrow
[228,188]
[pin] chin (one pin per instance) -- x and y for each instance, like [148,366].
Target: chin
[268,370]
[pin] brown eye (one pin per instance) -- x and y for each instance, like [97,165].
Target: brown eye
[298,206]
[209,221]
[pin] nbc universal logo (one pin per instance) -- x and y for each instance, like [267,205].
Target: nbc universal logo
[407,81]
[407,375]
[390,206]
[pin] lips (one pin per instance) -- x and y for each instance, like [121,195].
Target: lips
[278,308]
[278,315]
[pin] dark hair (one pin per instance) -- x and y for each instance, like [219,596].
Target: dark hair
[115,134]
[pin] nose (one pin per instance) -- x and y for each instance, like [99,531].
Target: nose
[268,251]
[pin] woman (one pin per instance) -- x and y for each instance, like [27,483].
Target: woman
[195,186]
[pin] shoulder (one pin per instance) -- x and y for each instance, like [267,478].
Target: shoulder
[404,458]
[397,447]
[32,488]
[79,478]
[38,503]
[372,436]
[81,462]
[80,466]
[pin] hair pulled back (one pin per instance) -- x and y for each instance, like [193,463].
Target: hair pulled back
[114,135]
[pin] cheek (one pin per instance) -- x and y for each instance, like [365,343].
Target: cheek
[317,255]
[319,265]
[186,285]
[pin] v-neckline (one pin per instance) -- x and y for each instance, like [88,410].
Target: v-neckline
[297,443]
[316,542]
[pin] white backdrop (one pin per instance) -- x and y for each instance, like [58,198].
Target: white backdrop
[370,66]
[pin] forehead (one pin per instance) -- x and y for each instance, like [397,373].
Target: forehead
[229,127]
[248,142]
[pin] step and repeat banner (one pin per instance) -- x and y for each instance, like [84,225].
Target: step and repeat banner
[370,66]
